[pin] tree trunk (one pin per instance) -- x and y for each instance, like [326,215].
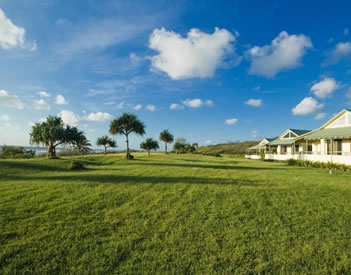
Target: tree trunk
[148,152]
[51,151]
[166,147]
[127,141]
[105,150]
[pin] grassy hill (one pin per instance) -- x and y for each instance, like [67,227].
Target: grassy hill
[238,148]
[174,214]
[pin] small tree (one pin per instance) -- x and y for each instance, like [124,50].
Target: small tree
[179,145]
[106,142]
[80,143]
[149,144]
[52,133]
[126,124]
[166,137]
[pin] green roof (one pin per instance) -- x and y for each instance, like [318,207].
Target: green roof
[340,132]
[257,147]
[300,132]
[281,142]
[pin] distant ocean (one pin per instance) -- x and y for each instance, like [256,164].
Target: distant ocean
[40,150]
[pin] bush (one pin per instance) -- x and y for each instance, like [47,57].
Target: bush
[318,164]
[16,152]
[76,165]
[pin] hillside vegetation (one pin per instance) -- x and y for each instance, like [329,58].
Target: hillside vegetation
[172,214]
[238,148]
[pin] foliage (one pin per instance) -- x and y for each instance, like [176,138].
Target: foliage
[106,142]
[126,124]
[227,148]
[52,133]
[76,165]
[166,137]
[318,164]
[15,152]
[149,144]
[179,214]
[181,146]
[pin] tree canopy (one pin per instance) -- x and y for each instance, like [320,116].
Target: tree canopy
[52,133]
[126,124]
[106,142]
[166,137]
[149,144]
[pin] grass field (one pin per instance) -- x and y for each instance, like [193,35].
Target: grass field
[175,214]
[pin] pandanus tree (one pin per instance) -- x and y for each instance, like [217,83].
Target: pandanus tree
[80,143]
[52,133]
[106,142]
[126,124]
[149,144]
[166,137]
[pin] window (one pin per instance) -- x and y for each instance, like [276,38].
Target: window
[286,136]
[292,135]
[297,148]
[309,148]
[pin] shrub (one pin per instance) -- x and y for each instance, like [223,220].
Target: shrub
[318,164]
[76,165]
[16,152]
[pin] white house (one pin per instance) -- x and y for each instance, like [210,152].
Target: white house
[255,152]
[286,145]
[331,142]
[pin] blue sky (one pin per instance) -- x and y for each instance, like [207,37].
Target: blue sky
[209,71]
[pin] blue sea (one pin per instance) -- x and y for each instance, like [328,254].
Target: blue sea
[40,150]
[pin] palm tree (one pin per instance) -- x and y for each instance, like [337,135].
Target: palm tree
[81,144]
[179,145]
[166,137]
[126,124]
[106,142]
[149,144]
[52,133]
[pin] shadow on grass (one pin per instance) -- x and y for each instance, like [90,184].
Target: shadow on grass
[35,166]
[119,179]
[225,167]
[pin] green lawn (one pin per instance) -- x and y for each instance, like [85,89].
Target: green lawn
[172,214]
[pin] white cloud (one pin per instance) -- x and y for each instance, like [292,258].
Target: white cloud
[10,100]
[197,55]
[99,116]
[43,94]
[254,102]
[320,115]
[197,103]
[120,106]
[41,105]
[255,134]
[325,87]
[60,100]
[69,118]
[341,50]
[175,106]
[307,106]
[231,121]
[134,58]
[5,117]
[151,108]
[12,36]
[208,142]
[284,53]
[137,107]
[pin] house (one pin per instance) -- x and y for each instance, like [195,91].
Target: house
[255,152]
[331,142]
[286,145]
